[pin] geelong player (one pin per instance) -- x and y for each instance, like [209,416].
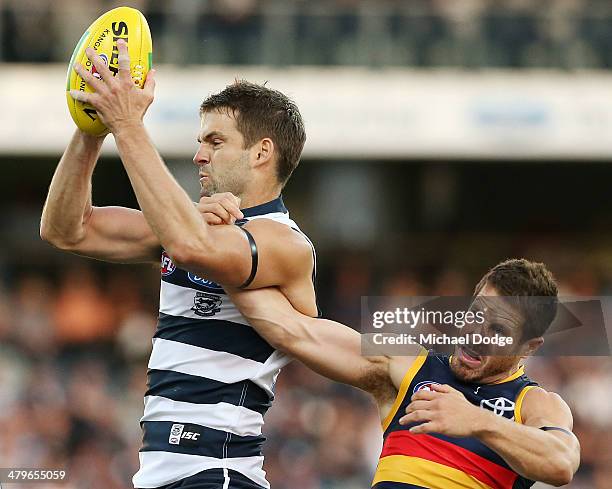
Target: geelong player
[466,421]
[211,376]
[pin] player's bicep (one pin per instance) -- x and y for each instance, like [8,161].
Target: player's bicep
[284,255]
[547,411]
[118,234]
[540,408]
[224,256]
[268,254]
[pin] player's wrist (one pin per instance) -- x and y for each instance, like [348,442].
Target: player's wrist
[127,127]
[90,139]
[484,423]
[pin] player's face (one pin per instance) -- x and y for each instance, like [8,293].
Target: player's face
[489,363]
[223,163]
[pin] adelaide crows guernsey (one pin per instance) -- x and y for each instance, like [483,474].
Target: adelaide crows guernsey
[210,381]
[434,461]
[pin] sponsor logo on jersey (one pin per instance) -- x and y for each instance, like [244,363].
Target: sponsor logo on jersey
[424,386]
[181,434]
[190,435]
[209,284]
[167,265]
[499,405]
[206,305]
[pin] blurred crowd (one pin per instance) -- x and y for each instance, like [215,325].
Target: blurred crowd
[566,34]
[74,343]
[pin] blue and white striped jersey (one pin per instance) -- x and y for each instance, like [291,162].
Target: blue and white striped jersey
[210,381]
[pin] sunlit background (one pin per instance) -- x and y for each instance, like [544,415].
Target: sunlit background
[443,137]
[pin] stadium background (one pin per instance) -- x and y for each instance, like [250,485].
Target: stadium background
[444,136]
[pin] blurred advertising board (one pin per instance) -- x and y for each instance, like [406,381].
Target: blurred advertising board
[352,113]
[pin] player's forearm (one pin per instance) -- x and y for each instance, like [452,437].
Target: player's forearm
[326,347]
[531,452]
[282,330]
[68,202]
[166,206]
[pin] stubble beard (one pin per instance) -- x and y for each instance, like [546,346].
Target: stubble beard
[493,366]
[233,181]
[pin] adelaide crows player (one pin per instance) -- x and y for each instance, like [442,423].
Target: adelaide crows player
[465,421]
[211,376]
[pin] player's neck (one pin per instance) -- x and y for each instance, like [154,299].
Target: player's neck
[503,376]
[251,200]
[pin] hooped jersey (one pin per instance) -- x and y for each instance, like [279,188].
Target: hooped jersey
[210,382]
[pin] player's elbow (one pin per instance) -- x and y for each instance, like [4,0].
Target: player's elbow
[281,333]
[46,231]
[282,340]
[186,254]
[562,477]
[277,335]
[57,239]
[561,471]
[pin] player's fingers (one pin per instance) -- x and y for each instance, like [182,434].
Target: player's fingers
[415,417]
[149,86]
[124,60]
[212,219]
[232,208]
[89,78]
[226,195]
[232,197]
[217,209]
[425,395]
[423,428]
[442,388]
[418,405]
[228,201]
[86,98]
[105,73]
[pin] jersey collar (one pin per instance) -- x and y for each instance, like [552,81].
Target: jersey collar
[520,371]
[276,205]
[511,377]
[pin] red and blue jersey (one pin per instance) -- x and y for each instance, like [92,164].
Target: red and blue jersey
[435,461]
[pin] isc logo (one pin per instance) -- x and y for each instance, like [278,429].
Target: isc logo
[190,435]
[177,434]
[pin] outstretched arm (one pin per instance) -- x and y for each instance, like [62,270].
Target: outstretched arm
[547,456]
[327,347]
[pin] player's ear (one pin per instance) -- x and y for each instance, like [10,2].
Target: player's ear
[263,151]
[533,344]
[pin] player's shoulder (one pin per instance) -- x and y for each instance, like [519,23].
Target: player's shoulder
[538,401]
[539,395]
[405,367]
[281,234]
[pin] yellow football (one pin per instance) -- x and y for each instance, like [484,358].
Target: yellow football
[120,23]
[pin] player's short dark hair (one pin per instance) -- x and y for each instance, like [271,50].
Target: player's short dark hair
[262,112]
[534,287]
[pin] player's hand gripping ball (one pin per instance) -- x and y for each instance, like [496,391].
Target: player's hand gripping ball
[102,35]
